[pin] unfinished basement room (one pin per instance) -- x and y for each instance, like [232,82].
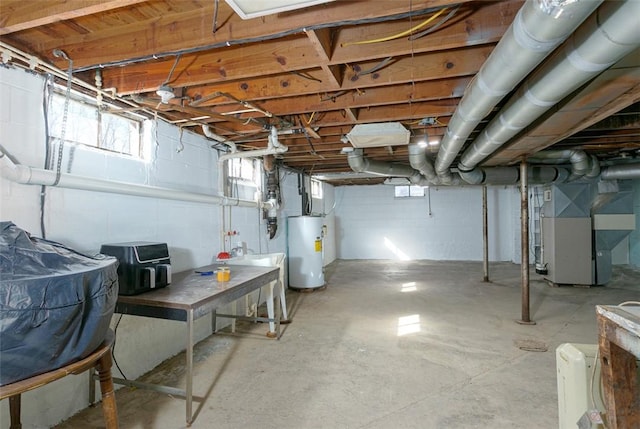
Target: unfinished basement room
[319,214]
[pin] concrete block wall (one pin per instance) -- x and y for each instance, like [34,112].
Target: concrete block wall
[84,220]
[373,224]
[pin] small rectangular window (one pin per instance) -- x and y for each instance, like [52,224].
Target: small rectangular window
[88,125]
[316,189]
[244,170]
[403,191]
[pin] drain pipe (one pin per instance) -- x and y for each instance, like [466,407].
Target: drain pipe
[273,147]
[621,172]
[582,165]
[360,164]
[538,28]
[603,39]
[511,175]
[35,176]
[213,136]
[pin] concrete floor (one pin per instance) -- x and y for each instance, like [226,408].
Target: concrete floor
[386,345]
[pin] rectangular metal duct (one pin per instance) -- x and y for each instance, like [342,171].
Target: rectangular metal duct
[378,135]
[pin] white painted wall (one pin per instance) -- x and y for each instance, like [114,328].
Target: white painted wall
[84,220]
[373,224]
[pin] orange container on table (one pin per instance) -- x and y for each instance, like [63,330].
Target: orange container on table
[224,274]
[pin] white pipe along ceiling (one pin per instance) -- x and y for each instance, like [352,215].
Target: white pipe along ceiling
[36,176]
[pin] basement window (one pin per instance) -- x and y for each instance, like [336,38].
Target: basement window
[316,189]
[88,125]
[244,170]
[245,177]
[406,191]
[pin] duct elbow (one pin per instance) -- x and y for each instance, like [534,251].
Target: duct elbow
[356,161]
[473,177]
[580,164]
[595,168]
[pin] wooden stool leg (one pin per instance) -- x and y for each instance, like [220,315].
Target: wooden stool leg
[14,412]
[109,408]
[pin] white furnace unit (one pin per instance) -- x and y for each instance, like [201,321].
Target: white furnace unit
[304,241]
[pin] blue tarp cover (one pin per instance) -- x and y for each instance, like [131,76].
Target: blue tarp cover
[55,303]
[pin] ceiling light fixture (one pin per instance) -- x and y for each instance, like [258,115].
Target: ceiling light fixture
[248,9]
[166,93]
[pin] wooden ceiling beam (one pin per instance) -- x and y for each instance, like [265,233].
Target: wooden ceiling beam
[486,24]
[18,15]
[212,68]
[429,66]
[322,41]
[173,32]
[393,94]
[233,63]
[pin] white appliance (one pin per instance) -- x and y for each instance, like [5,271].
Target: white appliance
[574,363]
[304,242]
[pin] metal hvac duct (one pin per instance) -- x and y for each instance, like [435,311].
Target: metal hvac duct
[539,27]
[621,172]
[360,164]
[604,38]
[582,165]
[511,175]
[419,161]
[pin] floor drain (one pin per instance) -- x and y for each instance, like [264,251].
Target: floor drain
[531,345]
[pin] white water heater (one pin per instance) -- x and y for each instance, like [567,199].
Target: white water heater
[304,242]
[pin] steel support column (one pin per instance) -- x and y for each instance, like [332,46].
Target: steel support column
[485,236]
[524,235]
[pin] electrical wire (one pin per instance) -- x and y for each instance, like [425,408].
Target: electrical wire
[375,68]
[65,114]
[436,25]
[397,36]
[113,347]
[249,40]
[310,118]
[215,17]
[46,99]
[173,68]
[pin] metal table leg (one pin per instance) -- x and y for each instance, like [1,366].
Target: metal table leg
[189,389]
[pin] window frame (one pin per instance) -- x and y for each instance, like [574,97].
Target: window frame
[90,118]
